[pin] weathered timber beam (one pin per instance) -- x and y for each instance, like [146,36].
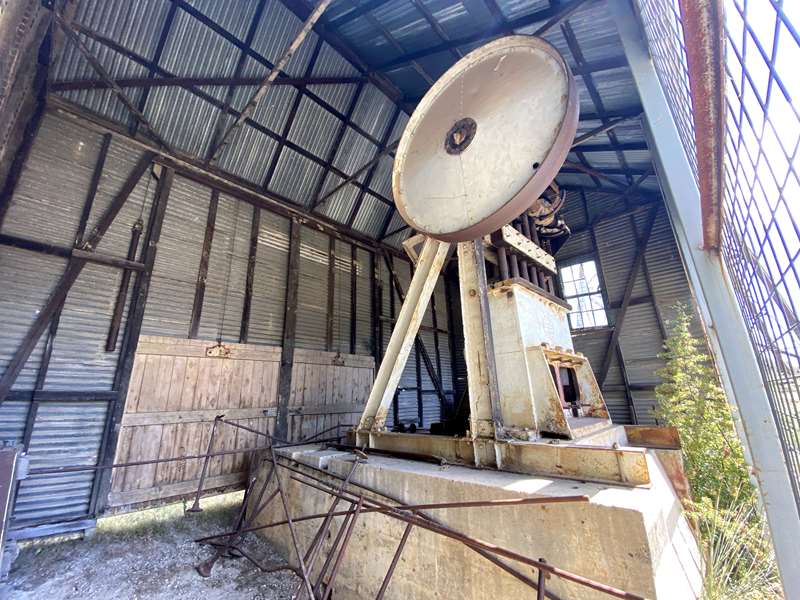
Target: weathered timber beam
[289,332]
[122,292]
[73,253]
[264,86]
[255,227]
[133,328]
[72,36]
[70,275]
[202,269]
[151,82]
[195,170]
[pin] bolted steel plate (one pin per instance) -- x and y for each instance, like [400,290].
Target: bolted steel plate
[486,140]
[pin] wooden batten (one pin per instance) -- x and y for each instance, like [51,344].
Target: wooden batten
[177,389]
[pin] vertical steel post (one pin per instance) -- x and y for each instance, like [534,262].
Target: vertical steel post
[724,324]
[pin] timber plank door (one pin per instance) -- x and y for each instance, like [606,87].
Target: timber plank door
[176,391]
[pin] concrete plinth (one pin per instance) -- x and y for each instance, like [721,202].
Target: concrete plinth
[636,539]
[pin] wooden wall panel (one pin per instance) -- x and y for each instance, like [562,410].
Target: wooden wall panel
[328,390]
[176,392]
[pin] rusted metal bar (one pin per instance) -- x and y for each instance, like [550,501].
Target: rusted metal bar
[205,567]
[340,557]
[457,504]
[124,284]
[332,553]
[395,560]
[292,531]
[382,508]
[704,35]
[313,551]
[195,508]
[286,443]
[316,544]
[482,552]
[264,86]
[541,582]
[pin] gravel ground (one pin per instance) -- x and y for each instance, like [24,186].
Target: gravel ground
[149,554]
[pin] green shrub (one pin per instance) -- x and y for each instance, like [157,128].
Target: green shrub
[739,559]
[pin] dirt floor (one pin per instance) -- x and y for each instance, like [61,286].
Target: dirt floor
[149,554]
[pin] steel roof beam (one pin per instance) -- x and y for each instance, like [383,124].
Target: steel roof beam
[605,127]
[355,13]
[577,55]
[151,82]
[371,173]
[302,10]
[547,15]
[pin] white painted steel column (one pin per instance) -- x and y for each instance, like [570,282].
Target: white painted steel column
[431,260]
[725,326]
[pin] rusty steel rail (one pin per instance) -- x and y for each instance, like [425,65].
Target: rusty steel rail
[154,461]
[413,517]
[488,546]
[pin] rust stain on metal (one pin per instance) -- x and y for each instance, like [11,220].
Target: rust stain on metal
[703,35]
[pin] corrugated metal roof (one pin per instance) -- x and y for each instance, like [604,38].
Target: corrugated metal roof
[193,49]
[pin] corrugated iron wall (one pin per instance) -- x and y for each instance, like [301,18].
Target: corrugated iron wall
[417,400]
[658,286]
[66,421]
[63,423]
[287,145]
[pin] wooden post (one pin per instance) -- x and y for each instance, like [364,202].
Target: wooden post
[353,296]
[289,332]
[133,328]
[330,307]
[251,271]
[202,270]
